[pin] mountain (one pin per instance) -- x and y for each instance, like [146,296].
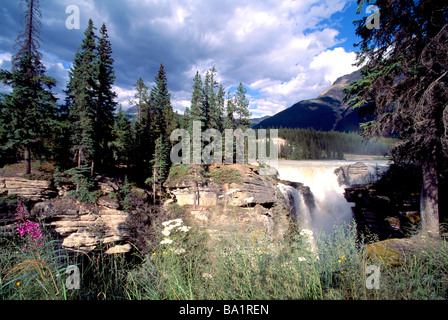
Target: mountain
[326,112]
[132,112]
[256,121]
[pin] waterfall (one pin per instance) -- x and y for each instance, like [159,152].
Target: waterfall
[301,210]
[331,207]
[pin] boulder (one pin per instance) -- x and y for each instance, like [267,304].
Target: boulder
[357,173]
[84,227]
[119,249]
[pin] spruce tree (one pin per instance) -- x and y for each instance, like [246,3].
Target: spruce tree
[80,100]
[122,138]
[165,122]
[143,129]
[197,112]
[220,108]
[105,103]
[405,84]
[211,108]
[229,121]
[27,112]
[242,107]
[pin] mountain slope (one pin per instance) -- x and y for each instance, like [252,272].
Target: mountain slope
[326,112]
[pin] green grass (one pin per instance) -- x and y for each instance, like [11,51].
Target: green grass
[187,264]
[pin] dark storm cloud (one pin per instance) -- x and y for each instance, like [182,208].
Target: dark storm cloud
[261,43]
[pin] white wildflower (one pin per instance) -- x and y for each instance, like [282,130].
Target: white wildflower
[206,275]
[184,228]
[177,222]
[166,241]
[166,232]
[179,251]
[301,259]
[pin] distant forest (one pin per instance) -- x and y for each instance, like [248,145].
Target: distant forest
[307,144]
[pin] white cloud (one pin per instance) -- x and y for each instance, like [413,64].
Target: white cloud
[277,48]
[124,96]
[5,57]
[334,63]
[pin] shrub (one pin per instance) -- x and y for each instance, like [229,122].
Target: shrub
[225,175]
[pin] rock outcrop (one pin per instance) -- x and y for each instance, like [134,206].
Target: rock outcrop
[252,203]
[35,190]
[252,190]
[394,215]
[84,227]
[357,173]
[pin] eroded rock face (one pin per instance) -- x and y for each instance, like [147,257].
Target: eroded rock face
[357,173]
[253,204]
[35,190]
[84,227]
[252,190]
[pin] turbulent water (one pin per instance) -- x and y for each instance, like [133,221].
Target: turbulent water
[331,208]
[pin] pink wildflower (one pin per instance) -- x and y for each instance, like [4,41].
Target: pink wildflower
[26,227]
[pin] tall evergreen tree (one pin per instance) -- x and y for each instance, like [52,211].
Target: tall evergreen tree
[105,103]
[211,109]
[405,83]
[165,122]
[197,103]
[28,111]
[229,121]
[81,101]
[242,107]
[143,129]
[220,108]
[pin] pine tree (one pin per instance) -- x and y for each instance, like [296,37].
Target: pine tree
[221,111]
[144,135]
[211,108]
[405,83]
[105,104]
[141,98]
[197,112]
[229,121]
[165,122]
[81,102]
[242,107]
[27,113]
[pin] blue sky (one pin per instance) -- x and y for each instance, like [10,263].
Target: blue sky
[283,51]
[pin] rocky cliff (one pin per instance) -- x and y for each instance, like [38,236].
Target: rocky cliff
[252,203]
[78,226]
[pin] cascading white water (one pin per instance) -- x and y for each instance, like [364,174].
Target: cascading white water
[301,211]
[331,207]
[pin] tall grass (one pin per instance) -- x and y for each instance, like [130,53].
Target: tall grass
[186,265]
